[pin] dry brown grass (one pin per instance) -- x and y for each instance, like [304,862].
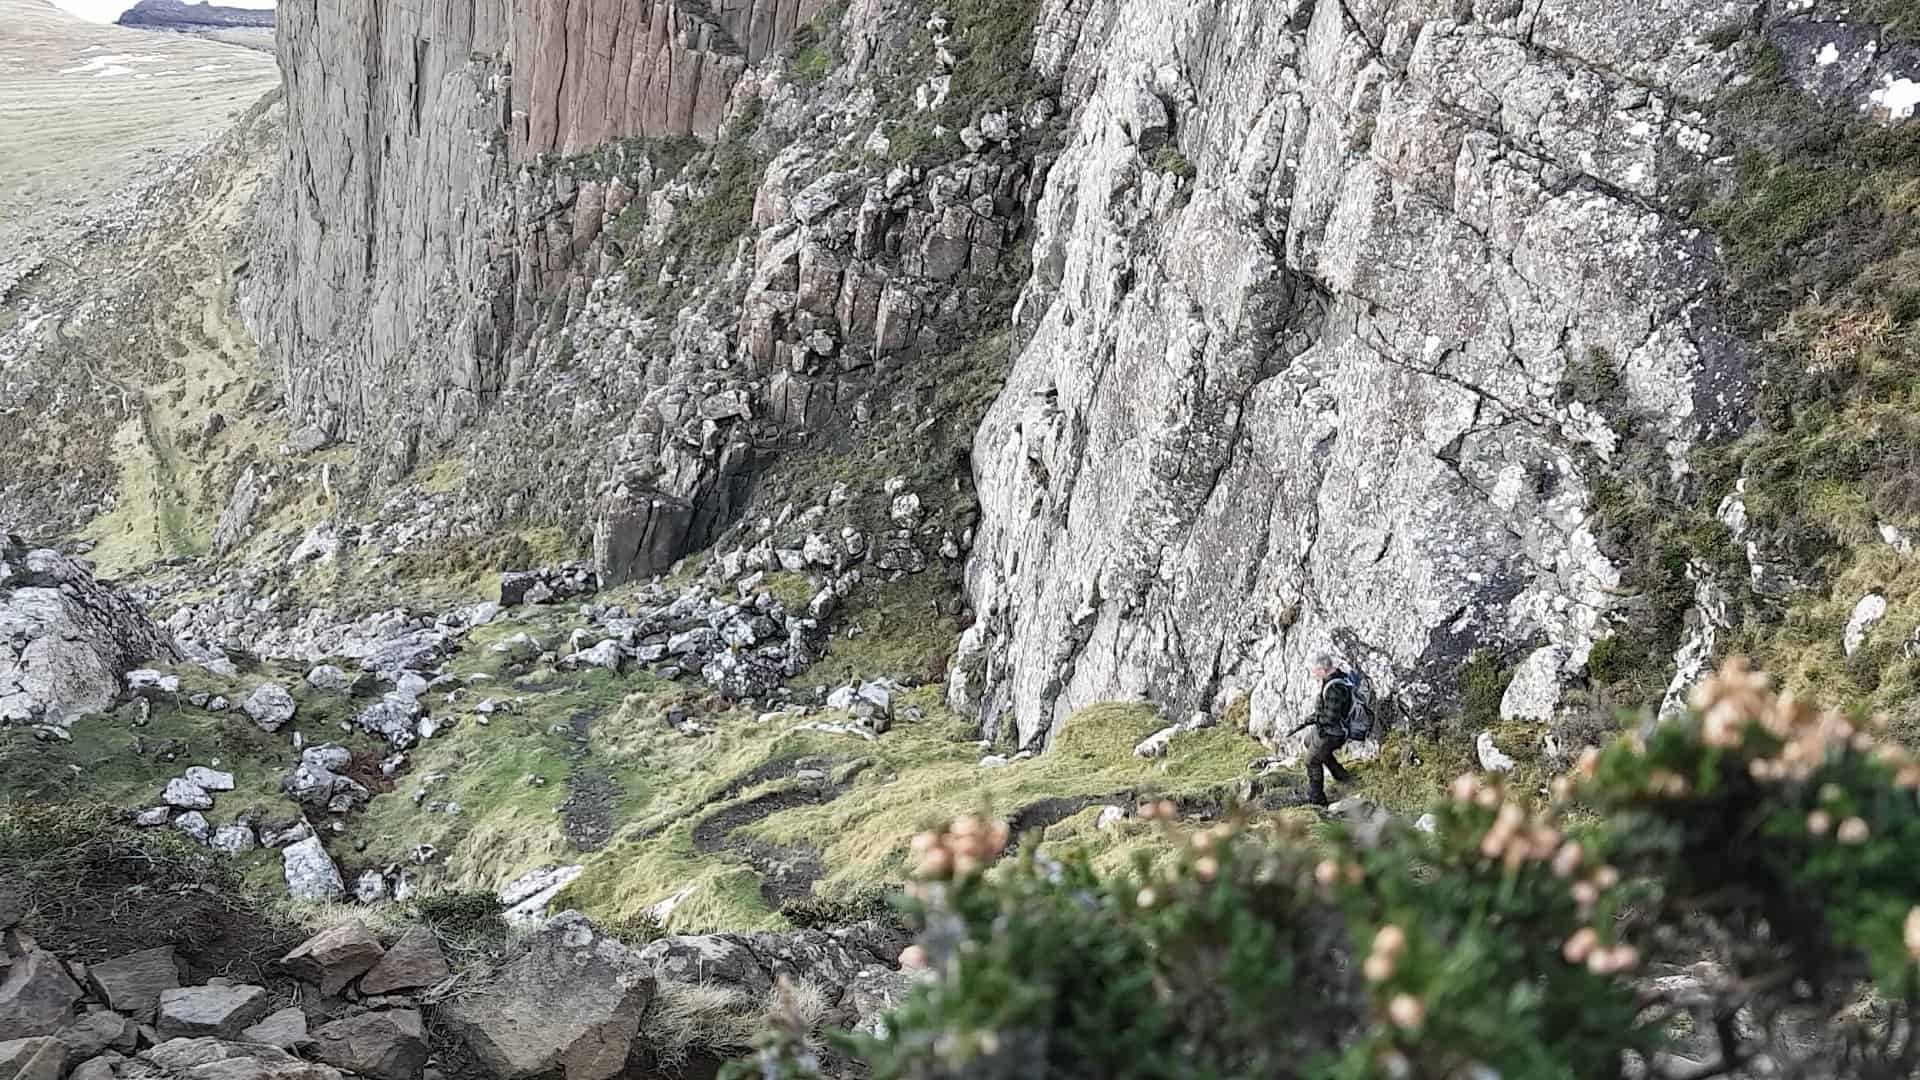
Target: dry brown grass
[69,134]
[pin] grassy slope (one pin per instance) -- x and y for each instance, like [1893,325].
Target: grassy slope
[70,135]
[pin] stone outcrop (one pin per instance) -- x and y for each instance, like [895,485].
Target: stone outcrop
[1318,398]
[65,639]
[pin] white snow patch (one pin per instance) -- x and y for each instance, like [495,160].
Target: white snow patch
[1899,97]
[111,64]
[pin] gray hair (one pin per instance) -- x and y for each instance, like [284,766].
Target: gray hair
[1325,661]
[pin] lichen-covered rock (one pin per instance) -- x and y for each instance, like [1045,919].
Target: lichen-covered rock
[393,718]
[310,872]
[65,639]
[570,1004]
[186,795]
[270,706]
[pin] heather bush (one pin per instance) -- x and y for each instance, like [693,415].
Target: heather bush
[1730,893]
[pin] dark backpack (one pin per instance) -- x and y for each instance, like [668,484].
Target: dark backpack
[1359,722]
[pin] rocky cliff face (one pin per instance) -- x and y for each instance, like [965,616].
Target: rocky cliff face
[1341,316]
[1325,402]
[400,265]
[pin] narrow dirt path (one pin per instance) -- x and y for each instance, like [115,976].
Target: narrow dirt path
[586,814]
[787,871]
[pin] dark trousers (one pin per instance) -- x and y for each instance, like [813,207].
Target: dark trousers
[1320,761]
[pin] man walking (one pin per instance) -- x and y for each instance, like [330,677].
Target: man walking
[1329,724]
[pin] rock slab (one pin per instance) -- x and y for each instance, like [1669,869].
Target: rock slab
[286,1029]
[132,984]
[333,958]
[571,1003]
[218,1059]
[415,961]
[388,1045]
[218,1011]
[33,1059]
[36,997]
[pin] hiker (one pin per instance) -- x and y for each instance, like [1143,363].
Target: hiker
[1331,722]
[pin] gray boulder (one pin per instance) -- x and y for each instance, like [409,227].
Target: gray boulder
[752,963]
[100,1068]
[570,1004]
[219,1011]
[36,996]
[235,521]
[286,1029]
[186,795]
[270,706]
[233,839]
[330,678]
[148,682]
[89,1034]
[388,1045]
[415,961]
[33,1059]
[310,872]
[65,639]
[391,718]
[607,655]
[193,825]
[334,958]
[132,984]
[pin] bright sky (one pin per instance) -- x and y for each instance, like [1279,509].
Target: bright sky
[108,10]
